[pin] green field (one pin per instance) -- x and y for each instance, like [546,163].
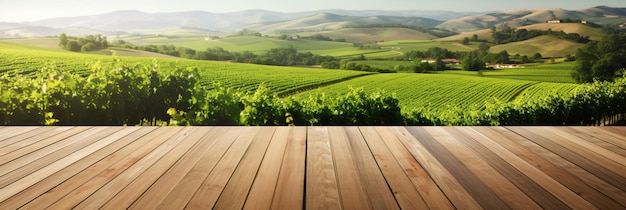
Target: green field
[251,43]
[430,91]
[440,91]
[245,77]
[423,45]
[559,73]
[387,64]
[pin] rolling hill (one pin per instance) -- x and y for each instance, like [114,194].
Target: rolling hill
[133,21]
[329,21]
[368,35]
[597,15]
[582,29]
[548,46]
[268,22]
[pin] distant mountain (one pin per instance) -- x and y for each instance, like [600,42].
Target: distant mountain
[430,14]
[328,21]
[132,21]
[598,15]
[202,22]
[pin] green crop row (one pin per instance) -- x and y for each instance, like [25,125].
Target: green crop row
[438,92]
[243,77]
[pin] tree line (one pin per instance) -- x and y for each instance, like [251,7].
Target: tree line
[284,56]
[83,44]
[473,60]
[437,32]
[601,60]
[508,34]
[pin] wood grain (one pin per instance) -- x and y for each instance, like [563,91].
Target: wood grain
[322,191]
[401,186]
[290,184]
[335,167]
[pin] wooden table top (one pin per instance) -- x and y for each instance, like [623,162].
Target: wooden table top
[357,167]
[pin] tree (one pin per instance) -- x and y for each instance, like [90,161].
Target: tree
[466,41]
[483,48]
[63,40]
[524,59]
[601,60]
[472,62]
[537,56]
[87,47]
[502,57]
[439,65]
[474,38]
[72,45]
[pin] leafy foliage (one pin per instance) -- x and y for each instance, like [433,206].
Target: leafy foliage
[88,43]
[601,60]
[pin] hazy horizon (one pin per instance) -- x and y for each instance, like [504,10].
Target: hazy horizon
[32,10]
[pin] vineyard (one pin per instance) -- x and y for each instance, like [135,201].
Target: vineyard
[16,59]
[437,92]
[57,87]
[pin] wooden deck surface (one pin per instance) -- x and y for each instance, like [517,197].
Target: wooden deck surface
[313,167]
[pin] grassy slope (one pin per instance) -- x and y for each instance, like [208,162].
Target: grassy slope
[484,34]
[247,43]
[246,77]
[53,44]
[548,46]
[369,35]
[582,29]
[438,91]
[558,73]
[423,45]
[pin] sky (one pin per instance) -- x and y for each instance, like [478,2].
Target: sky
[29,10]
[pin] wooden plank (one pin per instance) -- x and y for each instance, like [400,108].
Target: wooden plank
[350,184]
[453,190]
[212,187]
[503,187]
[290,184]
[546,191]
[375,185]
[235,192]
[34,138]
[607,171]
[605,134]
[9,163]
[264,186]
[583,147]
[141,192]
[486,197]
[180,195]
[618,131]
[559,162]
[583,135]
[471,140]
[51,168]
[132,183]
[401,186]
[122,171]
[23,166]
[41,144]
[11,131]
[322,191]
[24,136]
[53,188]
[511,142]
[430,192]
